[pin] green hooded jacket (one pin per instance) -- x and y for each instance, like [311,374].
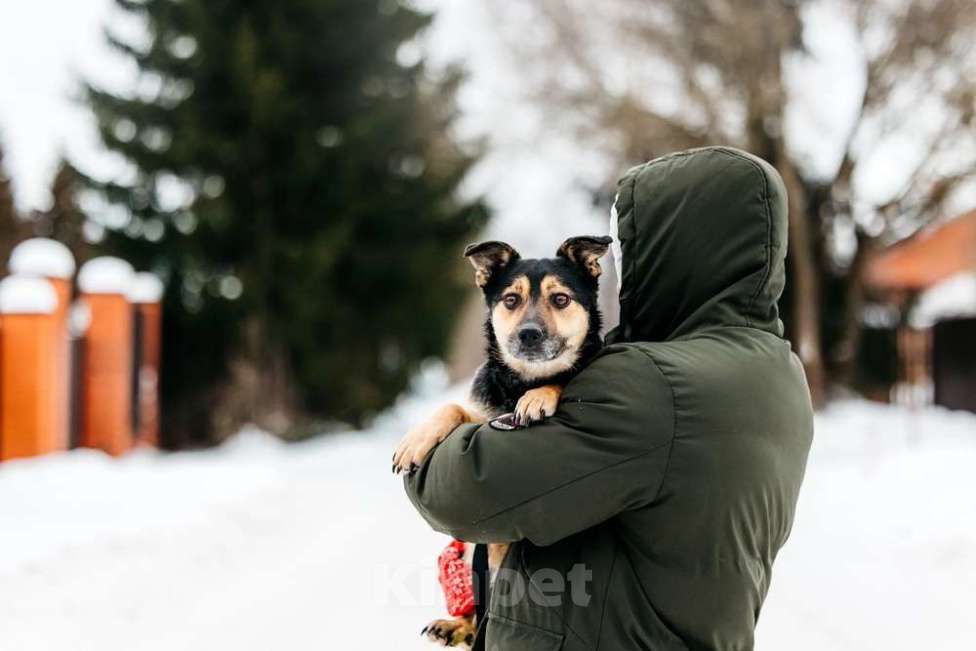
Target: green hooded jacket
[647,512]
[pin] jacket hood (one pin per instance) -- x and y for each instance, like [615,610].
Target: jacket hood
[703,239]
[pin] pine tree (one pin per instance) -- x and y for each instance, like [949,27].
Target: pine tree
[12,228]
[64,221]
[297,183]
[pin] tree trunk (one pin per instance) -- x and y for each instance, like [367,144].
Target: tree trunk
[806,284]
[843,357]
[467,349]
[766,107]
[260,390]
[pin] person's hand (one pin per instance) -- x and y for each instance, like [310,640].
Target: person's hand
[420,440]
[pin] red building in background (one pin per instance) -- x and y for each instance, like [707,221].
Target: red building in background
[931,279]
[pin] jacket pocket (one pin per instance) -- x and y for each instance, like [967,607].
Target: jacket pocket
[505,634]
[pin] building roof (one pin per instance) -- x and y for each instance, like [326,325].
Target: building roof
[926,259]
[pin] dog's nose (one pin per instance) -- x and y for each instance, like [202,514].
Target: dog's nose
[530,335]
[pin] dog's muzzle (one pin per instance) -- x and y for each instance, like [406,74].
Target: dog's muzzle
[532,344]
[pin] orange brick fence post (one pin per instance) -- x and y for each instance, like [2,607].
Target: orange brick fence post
[27,362]
[146,295]
[107,371]
[52,260]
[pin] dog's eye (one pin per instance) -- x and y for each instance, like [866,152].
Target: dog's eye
[560,300]
[512,301]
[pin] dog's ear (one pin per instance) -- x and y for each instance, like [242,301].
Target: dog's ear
[586,251]
[488,258]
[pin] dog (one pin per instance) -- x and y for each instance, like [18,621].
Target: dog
[543,326]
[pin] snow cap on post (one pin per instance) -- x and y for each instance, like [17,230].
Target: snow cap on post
[40,256]
[27,295]
[79,318]
[105,275]
[145,288]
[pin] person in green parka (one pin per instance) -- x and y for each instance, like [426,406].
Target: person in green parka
[646,513]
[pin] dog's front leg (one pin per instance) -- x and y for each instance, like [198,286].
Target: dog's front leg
[420,440]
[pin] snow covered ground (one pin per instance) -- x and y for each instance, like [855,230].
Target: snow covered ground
[883,551]
[260,545]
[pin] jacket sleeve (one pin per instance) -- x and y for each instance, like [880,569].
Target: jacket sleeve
[604,451]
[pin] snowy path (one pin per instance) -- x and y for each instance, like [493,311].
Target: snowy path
[259,545]
[883,551]
[256,545]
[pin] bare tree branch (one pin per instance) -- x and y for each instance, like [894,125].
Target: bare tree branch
[660,75]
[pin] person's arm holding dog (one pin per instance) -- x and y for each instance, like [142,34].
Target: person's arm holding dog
[604,451]
[534,405]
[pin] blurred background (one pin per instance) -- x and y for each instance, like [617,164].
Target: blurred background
[299,178]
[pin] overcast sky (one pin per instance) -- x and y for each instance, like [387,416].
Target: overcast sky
[536,181]
[47,46]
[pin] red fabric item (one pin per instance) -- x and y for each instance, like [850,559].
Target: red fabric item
[455,579]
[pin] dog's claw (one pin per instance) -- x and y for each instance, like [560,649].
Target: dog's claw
[450,633]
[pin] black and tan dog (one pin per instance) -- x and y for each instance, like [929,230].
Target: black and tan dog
[543,326]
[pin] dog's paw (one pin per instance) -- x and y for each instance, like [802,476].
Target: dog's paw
[419,441]
[537,404]
[451,632]
[413,449]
